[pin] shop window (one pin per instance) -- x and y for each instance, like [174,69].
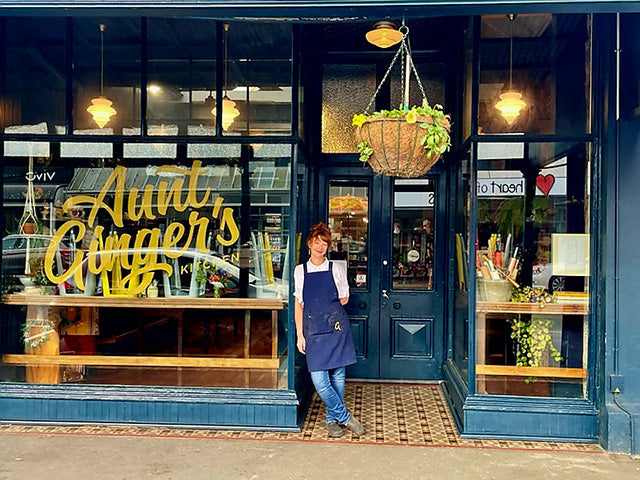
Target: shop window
[546,60]
[34,102]
[345,89]
[258,77]
[532,269]
[152,271]
[461,271]
[115,66]
[181,85]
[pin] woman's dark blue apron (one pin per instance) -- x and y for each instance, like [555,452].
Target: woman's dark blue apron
[325,323]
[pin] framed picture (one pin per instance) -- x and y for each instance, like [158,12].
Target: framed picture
[570,254]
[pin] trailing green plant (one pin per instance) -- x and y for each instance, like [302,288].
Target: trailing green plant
[435,140]
[532,339]
[532,336]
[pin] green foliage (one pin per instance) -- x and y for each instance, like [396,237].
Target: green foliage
[436,139]
[532,337]
[532,340]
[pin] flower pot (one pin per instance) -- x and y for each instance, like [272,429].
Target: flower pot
[397,150]
[29,228]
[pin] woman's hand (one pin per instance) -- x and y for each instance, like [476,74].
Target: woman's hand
[302,344]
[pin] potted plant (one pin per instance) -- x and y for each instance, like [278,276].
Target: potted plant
[404,142]
[532,335]
[216,278]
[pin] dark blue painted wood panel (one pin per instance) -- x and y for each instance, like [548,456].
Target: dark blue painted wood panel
[359,331]
[412,337]
[530,418]
[265,409]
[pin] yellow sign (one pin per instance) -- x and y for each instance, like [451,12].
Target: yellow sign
[140,257]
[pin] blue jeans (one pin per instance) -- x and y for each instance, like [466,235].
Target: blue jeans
[330,387]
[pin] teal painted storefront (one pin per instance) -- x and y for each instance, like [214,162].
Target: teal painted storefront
[608,410]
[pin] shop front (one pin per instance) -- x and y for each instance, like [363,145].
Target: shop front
[161,169]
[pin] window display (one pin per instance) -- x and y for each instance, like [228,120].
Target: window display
[532,270]
[147,269]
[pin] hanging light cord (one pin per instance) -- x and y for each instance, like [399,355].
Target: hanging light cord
[102,28]
[226,56]
[511,19]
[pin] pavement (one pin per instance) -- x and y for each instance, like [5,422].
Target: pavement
[62,456]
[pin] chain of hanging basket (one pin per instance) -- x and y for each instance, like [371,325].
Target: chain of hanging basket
[408,141]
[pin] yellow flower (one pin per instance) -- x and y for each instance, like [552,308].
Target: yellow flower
[359,119]
[412,117]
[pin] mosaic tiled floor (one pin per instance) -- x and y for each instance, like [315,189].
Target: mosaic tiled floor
[392,414]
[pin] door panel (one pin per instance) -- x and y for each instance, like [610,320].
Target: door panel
[386,230]
[348,207]
[411,311]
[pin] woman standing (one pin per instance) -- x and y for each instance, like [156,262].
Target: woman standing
[322,326]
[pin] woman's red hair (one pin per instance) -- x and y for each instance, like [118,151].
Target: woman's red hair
[319,230]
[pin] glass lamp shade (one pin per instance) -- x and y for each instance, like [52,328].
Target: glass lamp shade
[510,105]
[229,112]
[383,35]
[101,110]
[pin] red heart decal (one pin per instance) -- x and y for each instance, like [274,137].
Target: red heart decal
[545,182]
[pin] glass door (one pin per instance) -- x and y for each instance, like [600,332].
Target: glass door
[388,234]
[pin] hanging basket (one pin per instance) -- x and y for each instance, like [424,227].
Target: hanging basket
[397,147]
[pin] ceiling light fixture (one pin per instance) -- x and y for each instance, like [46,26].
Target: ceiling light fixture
[511,101]
[100,108]
[229,110]
[384,35]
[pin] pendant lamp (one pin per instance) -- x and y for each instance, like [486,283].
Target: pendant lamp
[229,110]
[511,101]
[383,35]
[100,108]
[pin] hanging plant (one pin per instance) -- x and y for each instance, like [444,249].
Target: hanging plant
[532,339]
[407,141]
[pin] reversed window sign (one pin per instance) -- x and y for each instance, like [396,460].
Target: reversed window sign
[134,259]
[507,183]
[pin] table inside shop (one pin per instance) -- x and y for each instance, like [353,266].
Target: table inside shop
[242,304]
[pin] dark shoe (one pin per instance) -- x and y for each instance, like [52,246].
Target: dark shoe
[355,426]
[335,430]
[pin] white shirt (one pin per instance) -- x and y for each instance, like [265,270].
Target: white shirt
[339,278]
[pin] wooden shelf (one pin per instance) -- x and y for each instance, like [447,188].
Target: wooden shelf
[143,361]
[549,372]
[548,309]
[135,302]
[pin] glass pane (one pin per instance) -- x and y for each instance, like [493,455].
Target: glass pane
[533,270]
[432,78]
[461,271]
[544,58]
[259,77]
[128,262]
[121,77]
[413,234]
[346,89]
[181,76]
[349,224]
[35,76]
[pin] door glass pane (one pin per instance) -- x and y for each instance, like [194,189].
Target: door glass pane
[349,224]
[413,230]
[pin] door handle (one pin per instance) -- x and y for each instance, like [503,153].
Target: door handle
[384,294]
[362,305]
[397,305]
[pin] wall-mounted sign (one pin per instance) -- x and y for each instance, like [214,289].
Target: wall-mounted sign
[133,261]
